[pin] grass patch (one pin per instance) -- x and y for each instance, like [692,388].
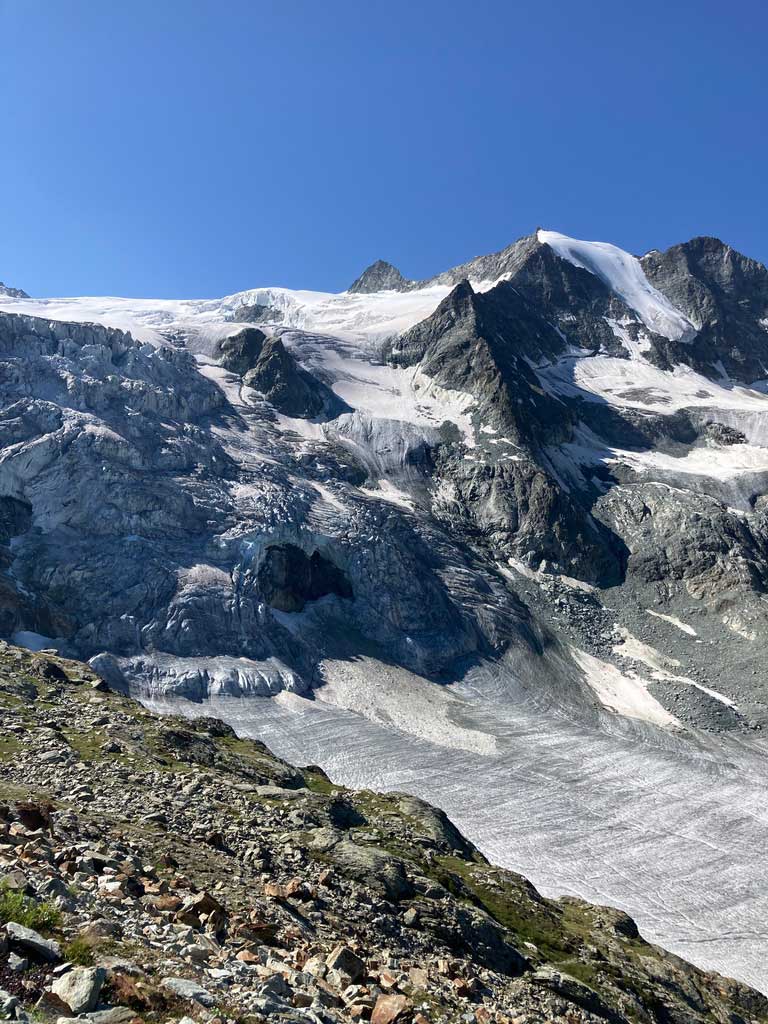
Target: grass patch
[528,922]
[78,951]
[85,745]
[559,937]
[317,784]
[9,745]
[15,906]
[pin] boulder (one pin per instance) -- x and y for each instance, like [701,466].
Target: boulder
[388,1009]
[30,941]
[374,867]
[343,959]
[80,988]
[186,989]
[8,1004]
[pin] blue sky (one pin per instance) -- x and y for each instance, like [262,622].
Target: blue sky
[195,148]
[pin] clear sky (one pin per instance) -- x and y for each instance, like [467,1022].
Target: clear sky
[199,147]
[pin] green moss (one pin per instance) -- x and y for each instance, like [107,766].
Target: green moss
[168,766]
[427,1000]
[9,745]
[250,754]
[318,784]
[581,971]
[513,909]
[86,745]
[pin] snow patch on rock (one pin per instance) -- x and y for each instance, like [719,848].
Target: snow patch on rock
[624,275]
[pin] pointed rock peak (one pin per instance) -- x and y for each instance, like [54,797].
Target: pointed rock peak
[460,305]
[461,298]
[12,293]
[380,277]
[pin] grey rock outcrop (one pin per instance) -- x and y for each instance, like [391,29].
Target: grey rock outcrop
[256,313]
[483,344]
[80,988]
[725,294]
[289,387]
[12,293]
[240,352]
[379,277]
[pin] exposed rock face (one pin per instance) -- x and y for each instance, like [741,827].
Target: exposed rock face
[287,386]
[12,293]
[578,304]
[482,343]
[256,313]
[240,352]
[689,541]
[380,277]
[726,295]
[289,578]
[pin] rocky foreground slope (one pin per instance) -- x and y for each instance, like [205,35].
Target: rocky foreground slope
[160,869]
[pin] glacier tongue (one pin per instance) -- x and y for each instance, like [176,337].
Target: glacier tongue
[622,273]
[673,835]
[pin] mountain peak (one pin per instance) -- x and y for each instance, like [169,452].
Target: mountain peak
[12,293]
[380,277]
